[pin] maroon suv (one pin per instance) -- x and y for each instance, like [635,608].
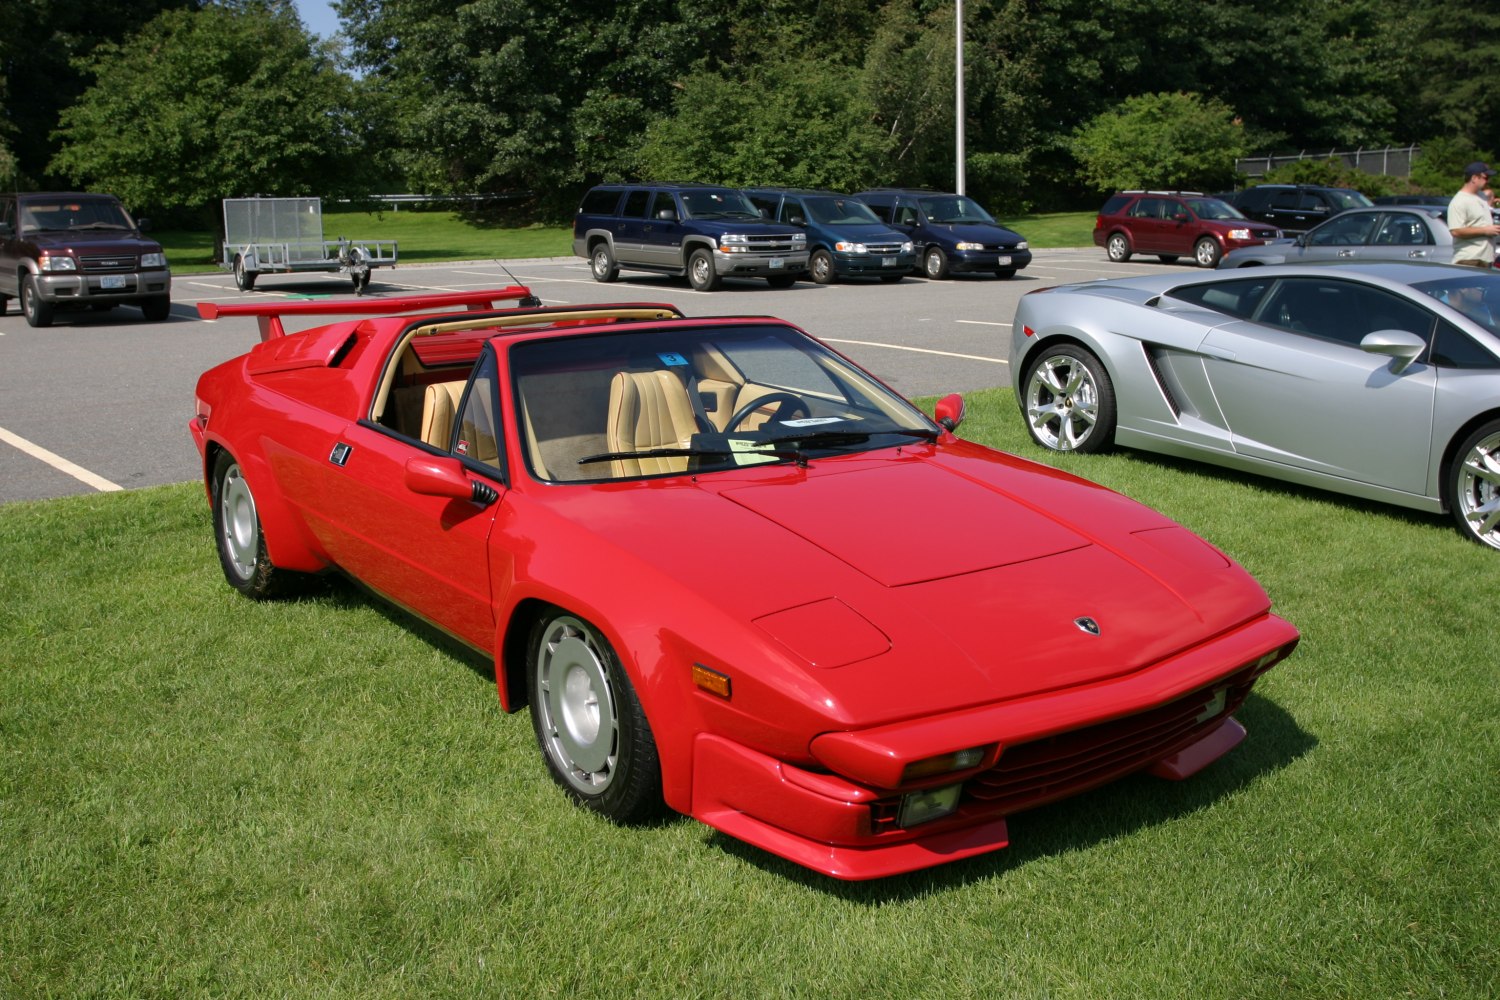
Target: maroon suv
[1174,224]
[66,250]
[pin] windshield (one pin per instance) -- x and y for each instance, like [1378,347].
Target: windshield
[841,212]
[953,208]
[718,203]
[73,215]
[1477,297]
[696,399]
[1213,208]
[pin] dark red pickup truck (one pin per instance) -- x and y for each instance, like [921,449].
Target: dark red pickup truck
[67,250]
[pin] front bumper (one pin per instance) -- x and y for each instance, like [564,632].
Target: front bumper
[863,265]
[85,288]
[1171,719]
[986,261]
[760,264]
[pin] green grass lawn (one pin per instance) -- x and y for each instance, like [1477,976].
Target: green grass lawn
[204,796]
[428,237]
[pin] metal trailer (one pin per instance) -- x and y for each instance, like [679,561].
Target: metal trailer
[285,236]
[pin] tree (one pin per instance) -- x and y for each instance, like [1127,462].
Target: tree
[220,102]
[1161,140]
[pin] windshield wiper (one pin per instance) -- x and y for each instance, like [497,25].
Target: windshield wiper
[819,439]
[620,456]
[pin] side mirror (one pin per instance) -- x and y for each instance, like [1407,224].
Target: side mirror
[797,220]
[142,225]
[432,476]
[1182,217]
[949,411]
[667,214]
[1402,346]
[7,230]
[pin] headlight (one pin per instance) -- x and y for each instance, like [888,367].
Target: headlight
[47,263]
[1239,234]
[844,246]
[734,243]
[153,260]
[948,763]
[970,246]
[1023,245]
[907,247]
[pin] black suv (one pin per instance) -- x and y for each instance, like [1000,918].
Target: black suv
[699,230]
[1294,208]
[66,250]
[952,234]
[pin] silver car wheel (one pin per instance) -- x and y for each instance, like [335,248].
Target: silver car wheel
[1477,490]
[239,527]
[1118,248]
[578,718]
[1069,400]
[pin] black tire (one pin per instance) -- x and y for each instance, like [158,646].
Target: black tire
[602,263]
[1207,252]
[238,535]
[1117,247]
[1167,258]
[1005,272]
[781,280]
[701,272]
[4,304]
[1473,485]
[243,280]
[1068,400]
[935,263]
[157,308]
[820,267]
[38,312]
[361,282]
[588,722]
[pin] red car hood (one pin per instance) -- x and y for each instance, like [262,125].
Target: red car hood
[939,580]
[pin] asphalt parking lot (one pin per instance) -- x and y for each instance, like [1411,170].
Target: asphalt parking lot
[100,401]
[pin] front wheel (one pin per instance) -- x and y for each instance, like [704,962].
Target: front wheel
[1005,272]
[820,266]
[602,264]
[38,311]
[156,309]
[1474,485]
[1207,252]
[1069,400]
[244,279]
[241,543]
[589,723]
[701,272]
[935,263]
[1118,247]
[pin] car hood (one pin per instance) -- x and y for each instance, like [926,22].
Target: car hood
[977,232]
[94,243]
[947,577]
[866,232]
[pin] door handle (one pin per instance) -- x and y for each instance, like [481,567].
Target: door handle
[1346,253]
[1208,350]
[1417,253]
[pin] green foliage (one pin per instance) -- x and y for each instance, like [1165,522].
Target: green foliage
[1180,141]
[790,123]
[208,104]
[1440,168]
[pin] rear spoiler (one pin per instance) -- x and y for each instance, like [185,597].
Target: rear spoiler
[269,313]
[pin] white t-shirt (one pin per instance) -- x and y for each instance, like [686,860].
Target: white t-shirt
[1470,210]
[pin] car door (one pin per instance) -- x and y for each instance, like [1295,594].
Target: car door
[427,553]
[1296,389]
[661,243]
[1296,211]
[10,235]
[630,228]
[1148,225]
[1346,237]
[1402,236]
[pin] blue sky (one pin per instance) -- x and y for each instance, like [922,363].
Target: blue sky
[319,17]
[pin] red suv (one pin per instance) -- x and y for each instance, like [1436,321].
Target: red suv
[1174,224]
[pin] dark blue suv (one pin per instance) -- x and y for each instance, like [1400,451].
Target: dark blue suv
[844,238]
[952,234]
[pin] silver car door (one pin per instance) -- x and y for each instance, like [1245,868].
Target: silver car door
[1297,390]
[1343,237]
[1403,236]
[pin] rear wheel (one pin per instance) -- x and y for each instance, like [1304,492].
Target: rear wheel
[1474,485]
[1207,252]
[588,721]
[602,263]
[701,273]
[241,543]
[1118,247]
[38,312]
[361,281]
[935,263]
[1069,400]
[244,279]
[820,267]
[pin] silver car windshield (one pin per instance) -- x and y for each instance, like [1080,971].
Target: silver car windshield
[1476,296]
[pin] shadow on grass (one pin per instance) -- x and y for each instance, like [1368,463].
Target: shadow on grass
[1084,821]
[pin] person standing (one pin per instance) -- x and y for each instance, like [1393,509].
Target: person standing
[1470,222]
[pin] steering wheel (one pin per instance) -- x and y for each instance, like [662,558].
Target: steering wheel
[790,404]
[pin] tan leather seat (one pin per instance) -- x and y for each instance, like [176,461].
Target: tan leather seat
[439,406]
[648,410]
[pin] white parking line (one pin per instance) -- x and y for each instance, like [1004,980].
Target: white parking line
[980,322]
[917,350]
[59,463]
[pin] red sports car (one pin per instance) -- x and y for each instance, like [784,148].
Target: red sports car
[731,572]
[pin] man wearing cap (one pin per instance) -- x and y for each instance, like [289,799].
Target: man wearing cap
[1470,222]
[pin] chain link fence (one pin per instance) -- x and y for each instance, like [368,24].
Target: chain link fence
[1394,161]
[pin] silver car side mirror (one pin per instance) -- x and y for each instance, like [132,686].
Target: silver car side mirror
[1401,346]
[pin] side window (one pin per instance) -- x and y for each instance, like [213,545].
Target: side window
[1171,209]
[1351,230]
[1234,298]
[1340,311]
[883,212]
[8,217]
[1403,229]
[600,201]
[1452,348]
[766,204]
[635,204]
[906,215]
[1113,206]
[1286,201]
[477,432]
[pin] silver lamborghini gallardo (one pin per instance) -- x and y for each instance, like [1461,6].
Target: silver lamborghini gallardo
[1380,380]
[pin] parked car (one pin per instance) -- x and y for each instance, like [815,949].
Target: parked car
[951,232]
[844,238]
[704,232]
[1380,380]
[660,529]
[1427,200]
[69,250]
[1173,224]
[1294,208]
[1384,233]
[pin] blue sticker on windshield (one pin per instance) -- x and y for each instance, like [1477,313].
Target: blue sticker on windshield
[672,360]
